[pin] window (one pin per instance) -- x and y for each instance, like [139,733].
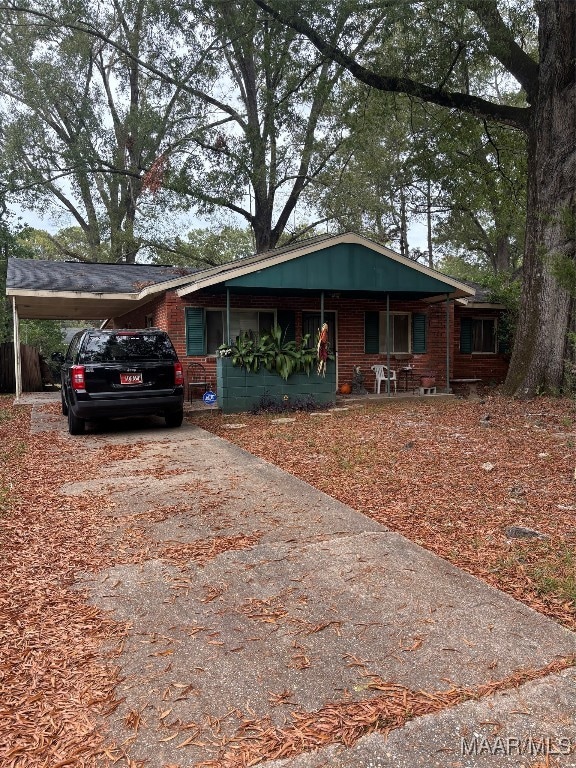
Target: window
[122,347]
[399,333]
[484,335]
[241,321]
[408,333]
[478,335]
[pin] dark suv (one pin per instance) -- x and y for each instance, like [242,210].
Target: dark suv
[109,373]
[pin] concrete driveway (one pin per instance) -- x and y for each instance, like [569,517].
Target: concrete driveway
[250,596]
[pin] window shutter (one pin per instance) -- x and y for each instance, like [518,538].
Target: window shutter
[466,335]
[286,319]
[371,333]
[195,336]
[419,334]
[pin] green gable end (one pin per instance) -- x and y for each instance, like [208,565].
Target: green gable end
[343,267]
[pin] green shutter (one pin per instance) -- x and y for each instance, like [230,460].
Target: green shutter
[195,335]
[466,335]
[419,335]
[371,333]
[286,319]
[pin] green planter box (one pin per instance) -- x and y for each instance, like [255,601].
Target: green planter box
[239,390]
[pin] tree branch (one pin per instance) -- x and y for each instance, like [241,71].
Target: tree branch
[503,47]
[515,117]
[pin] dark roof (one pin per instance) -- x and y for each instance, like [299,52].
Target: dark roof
[36,275]
[483,294]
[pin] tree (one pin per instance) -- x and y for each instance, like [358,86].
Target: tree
[547,78]
[83,122]
[208,247]
[271,131]
[236,114]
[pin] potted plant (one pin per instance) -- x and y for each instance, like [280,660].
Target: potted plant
[428,379]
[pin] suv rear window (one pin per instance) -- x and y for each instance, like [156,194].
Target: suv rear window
[125,347]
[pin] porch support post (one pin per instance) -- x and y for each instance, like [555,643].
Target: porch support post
[321,309]
[17,358]
[448,345]
[388,342]
[228,315]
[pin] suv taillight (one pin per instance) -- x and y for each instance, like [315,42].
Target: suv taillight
[77,376]
[178,375]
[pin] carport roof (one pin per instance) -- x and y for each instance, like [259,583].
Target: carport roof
[86,291]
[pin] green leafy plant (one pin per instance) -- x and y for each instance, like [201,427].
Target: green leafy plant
[245,353]
[285,357]
[271,351]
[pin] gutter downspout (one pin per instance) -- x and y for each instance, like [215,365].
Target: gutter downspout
[17,358]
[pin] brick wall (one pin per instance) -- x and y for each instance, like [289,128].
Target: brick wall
[491,368]
[169,313]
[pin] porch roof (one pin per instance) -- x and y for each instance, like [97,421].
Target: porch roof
[343,263]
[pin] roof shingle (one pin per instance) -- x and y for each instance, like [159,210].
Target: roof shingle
[36,275]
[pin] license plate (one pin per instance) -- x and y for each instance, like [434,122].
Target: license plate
[131,378]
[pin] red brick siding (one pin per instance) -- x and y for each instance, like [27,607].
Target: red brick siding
[491,368]
[169,313]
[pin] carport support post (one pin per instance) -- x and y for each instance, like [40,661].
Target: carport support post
[17,358]
[447,343]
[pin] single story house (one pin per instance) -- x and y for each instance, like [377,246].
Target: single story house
[380,307]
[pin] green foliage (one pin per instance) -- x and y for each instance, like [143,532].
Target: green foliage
[245,352]
[272,352]
[46,335]
[286,357]
[206,247]
[557,577]
[564,270]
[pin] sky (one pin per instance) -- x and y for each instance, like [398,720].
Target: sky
[417,236]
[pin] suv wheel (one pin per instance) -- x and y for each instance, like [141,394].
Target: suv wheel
[174,418]
[75,425]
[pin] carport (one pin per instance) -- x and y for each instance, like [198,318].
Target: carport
[91,292]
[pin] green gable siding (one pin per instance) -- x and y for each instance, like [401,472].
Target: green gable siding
[343,267]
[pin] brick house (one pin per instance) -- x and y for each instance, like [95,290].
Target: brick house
[364,291]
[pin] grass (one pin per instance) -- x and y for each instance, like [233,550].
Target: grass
[557,574]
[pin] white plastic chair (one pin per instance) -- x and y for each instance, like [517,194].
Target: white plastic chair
[383,373]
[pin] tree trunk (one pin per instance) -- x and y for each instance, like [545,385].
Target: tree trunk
[537,362]
[429,224]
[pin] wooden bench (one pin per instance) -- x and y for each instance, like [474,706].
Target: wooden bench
[472,385]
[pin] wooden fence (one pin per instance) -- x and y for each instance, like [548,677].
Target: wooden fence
[31,376]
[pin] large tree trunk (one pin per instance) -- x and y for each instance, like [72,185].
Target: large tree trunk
[537,362]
